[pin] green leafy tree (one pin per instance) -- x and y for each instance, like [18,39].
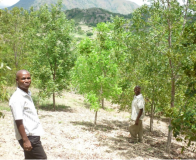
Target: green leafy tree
[185,121]
[14,28]
[136,52]
[165,24]
[96,72]
[152,72]
[153,52]
[3,84]
[52,45]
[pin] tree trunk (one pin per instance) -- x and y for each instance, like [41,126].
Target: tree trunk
[169,138]
[54,107]
[168,147]
[101,99]
[102,103]
[95,122]
[15,56]
[152,116]
[38,105]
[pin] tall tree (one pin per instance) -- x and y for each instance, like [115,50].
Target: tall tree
[166,22]
[3,83]
[14,28]
[185,119]
[136,53]
[52,44]
[96,72]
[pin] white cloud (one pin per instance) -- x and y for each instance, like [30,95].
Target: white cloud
[7,3]
[141,2]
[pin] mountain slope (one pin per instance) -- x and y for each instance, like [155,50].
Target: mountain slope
[116,6]
[92,16]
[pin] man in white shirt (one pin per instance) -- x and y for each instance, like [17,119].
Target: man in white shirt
[27,126]
[138,112]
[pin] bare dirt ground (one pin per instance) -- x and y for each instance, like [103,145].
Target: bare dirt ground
[70,134]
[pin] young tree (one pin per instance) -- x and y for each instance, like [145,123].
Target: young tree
[136,49]
[185,119]
[96,72]
[156,55]
[52,44]
[14,28]
[166,22]
[3,83]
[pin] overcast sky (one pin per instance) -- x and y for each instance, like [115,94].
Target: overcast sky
[141,2]
[7,3]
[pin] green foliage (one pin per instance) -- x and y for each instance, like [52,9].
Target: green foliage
[51,43]
[166,52]
[3,84]
[93,100]
[2,115]
[89,34]
[96,72]
[92,16]
[81,32]
[7,108]
[14,50]
[184,122]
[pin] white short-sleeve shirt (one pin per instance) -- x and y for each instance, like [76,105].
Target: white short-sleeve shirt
[23,108]
[137,104]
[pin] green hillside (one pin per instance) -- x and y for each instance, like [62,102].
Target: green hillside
[116,6]
[92,16]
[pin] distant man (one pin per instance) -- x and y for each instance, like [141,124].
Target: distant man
[26,122]
[138,112]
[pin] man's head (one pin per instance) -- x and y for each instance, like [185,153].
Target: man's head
[23,80]
[137,90]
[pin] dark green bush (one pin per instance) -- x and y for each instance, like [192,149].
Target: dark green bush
[89,34]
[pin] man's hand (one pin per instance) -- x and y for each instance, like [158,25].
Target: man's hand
[138,117]
[27,145]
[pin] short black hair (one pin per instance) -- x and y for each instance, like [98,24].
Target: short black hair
[138,87]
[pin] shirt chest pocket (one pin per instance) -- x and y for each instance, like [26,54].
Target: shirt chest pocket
[135,102]
[27,107]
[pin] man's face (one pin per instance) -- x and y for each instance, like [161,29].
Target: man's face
[137,91]
[23,80]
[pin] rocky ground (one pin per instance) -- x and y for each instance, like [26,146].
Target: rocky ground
[70,134]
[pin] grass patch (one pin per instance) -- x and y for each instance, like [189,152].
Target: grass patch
[109,109]
[4,108]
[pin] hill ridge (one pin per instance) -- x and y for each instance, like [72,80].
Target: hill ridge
[115,6]
[92,16]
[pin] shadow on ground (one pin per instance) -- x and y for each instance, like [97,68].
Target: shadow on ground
[89,126]
[105,125]
[153,146]
[49,107]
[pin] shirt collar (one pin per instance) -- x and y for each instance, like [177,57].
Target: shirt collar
[23,93]
[138,96]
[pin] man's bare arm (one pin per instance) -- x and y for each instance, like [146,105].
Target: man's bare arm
[138,116]
[26,143]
